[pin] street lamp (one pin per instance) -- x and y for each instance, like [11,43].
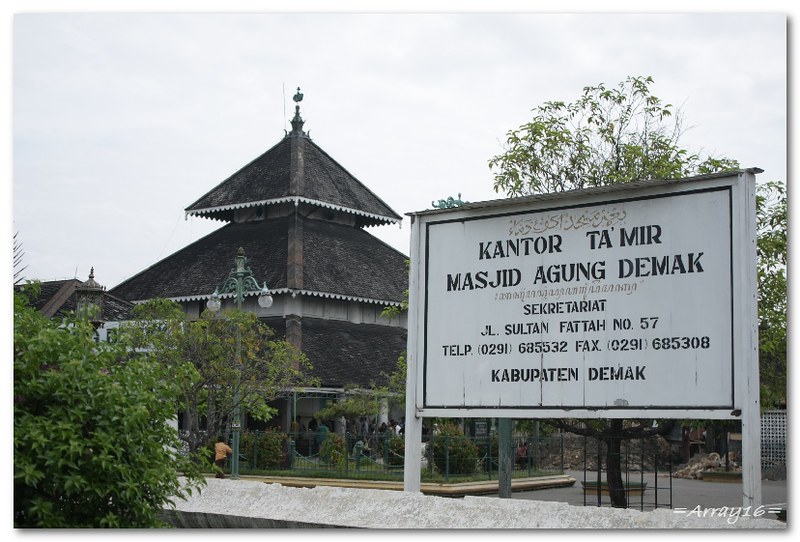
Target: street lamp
[240,281]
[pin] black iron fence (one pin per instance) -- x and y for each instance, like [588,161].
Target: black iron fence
[382,454]
[644,470]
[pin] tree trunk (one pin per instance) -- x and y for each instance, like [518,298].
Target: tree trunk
[616,490]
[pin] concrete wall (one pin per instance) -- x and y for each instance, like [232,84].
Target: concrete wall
[205,520]
[226,503]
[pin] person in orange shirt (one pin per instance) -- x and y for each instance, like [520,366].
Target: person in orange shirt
[221,453]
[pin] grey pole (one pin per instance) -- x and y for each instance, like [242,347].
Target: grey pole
[506,460]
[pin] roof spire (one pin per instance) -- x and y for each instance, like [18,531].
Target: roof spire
[297,121]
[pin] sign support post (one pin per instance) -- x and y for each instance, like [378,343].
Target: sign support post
[748,335]
[412,468]
[505,453]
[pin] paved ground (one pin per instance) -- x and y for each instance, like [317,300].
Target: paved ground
[685,493]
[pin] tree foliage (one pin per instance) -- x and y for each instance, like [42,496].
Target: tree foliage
[366,403]
[92,446]
[771,213]
[18,261]
[396,380]
[356,404]
[606,136]
[626,133]
[201,356]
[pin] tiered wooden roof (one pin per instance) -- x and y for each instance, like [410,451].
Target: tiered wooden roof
[299,216]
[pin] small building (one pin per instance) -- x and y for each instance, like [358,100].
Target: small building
[58,298]
[301,219]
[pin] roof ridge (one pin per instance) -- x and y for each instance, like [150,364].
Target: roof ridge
[58,299]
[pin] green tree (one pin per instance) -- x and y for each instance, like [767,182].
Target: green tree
[357,403]
[606,136]
[201,357]
[92,446]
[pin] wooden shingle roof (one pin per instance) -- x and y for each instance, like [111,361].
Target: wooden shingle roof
[295,170]
[57,299]
[343,353]
[339,261]
[350,262]
[196,270]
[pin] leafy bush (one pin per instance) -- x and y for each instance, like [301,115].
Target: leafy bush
[333,450]
[271,452]
[92,447]
[206,454]
[453,452]
[397,451]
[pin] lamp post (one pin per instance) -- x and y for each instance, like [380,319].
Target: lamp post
[240,281]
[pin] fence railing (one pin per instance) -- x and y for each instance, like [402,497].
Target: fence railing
[382,454]
[645,471]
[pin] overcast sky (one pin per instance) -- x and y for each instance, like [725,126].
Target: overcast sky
[122,120]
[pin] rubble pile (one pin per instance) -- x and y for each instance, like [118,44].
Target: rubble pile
[581,453]
[704,462]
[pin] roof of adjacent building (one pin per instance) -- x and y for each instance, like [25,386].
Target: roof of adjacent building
[57,299]
[295,170]
[339,261]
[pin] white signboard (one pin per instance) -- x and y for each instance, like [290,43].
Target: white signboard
[631,301]
[620,301]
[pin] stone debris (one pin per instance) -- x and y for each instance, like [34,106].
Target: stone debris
[704,462]
[385,509]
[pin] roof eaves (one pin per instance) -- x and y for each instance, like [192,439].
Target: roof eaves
[245,205]
[329,295]
[342,297]
[296,200]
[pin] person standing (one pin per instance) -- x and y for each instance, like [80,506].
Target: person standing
[221,453]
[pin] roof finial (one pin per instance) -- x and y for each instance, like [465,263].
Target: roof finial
[297,121]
